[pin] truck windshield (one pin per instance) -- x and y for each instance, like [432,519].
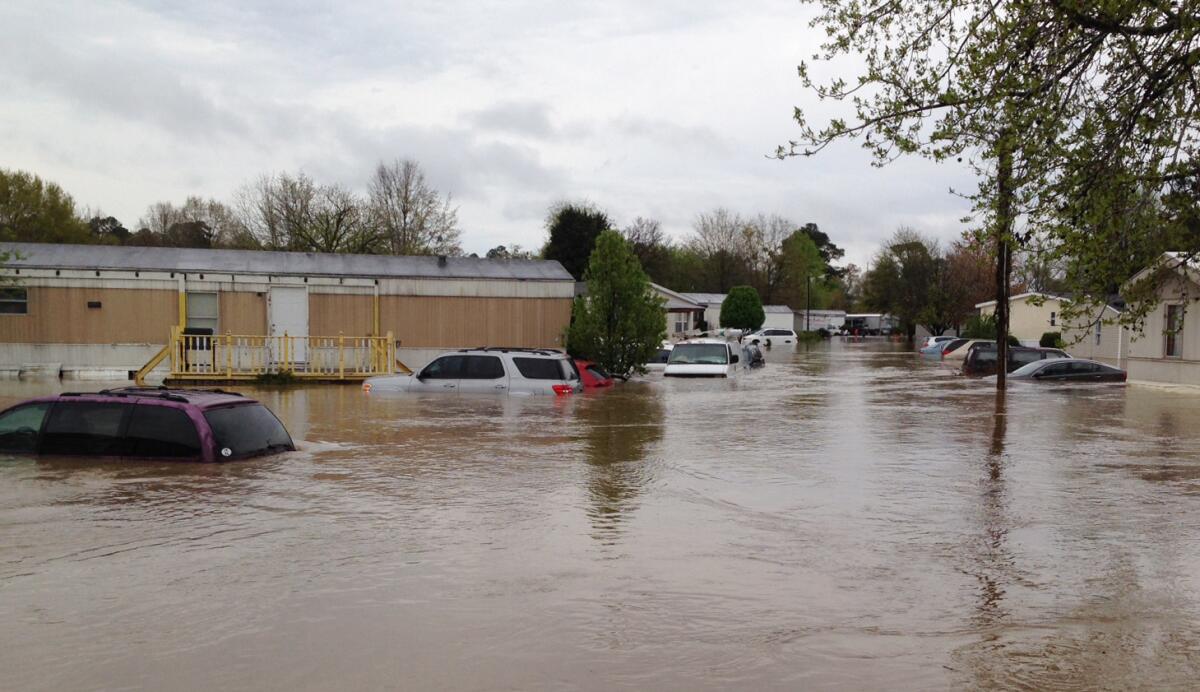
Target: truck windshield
[699,354]
[247,431]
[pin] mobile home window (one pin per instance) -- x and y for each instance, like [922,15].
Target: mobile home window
[1172,337]
[203,311]
[14,301]
[1053,317]
[1098,326]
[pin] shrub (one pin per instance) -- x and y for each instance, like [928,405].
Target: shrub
[1051,340]
[742,309]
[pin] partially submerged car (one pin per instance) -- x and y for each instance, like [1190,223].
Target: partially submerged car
[144,423]
[594,376]
[489,370]
[770,337]
[1069,370]
[981,359]
[707,358]
[659,362]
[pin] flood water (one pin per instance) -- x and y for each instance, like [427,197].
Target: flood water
[848,517]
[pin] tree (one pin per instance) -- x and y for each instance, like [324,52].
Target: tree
[904,282]
[619,323]
[36,211]
[409,214]
[107,230]
[724,241]
[830,253]
[742,309]
[651,245]
[1062,107]
[506,252]
[574,228]
[285,212]
[198,222]
[804,272]
[967,280]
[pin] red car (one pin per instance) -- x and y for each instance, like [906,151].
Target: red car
[593,375]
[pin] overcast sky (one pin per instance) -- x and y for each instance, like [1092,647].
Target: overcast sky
[661,109]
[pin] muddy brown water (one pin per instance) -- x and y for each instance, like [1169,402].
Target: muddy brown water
[848,517]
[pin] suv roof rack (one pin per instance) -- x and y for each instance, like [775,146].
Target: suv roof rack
[514,349]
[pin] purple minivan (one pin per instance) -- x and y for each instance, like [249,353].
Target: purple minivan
[144,423]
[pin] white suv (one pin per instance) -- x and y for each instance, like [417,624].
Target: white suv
[770,337]
[516,371]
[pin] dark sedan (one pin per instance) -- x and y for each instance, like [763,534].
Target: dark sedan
[1068,370]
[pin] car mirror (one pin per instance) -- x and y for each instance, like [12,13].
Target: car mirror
[734,359]
[1038,375]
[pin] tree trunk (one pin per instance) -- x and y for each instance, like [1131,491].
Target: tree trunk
[1004,226]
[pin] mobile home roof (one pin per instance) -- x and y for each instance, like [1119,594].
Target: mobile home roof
[259,262]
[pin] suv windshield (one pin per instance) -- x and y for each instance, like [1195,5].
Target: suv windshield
[247,430]
[700,354]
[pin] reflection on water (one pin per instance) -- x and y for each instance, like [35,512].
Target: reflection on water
[849,516]
[619,431]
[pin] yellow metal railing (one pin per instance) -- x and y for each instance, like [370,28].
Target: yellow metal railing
[247,357]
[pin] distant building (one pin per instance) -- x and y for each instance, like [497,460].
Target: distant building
[683,315]
[778,317]
[76,309]
[1030,315]
[815,320]
[870,323]
[712,307]
[1097,334]
[1168,347]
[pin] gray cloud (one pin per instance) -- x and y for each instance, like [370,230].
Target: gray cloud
[654,109]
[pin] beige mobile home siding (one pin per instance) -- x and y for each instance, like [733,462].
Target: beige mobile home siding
[242,313]
[1027,321]
[60,315]
[431,322]
[330,314]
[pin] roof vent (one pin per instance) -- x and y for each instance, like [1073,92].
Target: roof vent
[441,260]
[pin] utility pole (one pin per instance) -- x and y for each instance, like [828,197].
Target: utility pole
[1004,240]
[808,305]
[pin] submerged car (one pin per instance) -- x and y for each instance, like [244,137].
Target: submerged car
[1069,370]
[659,362]
[770,337]
[706,358]
[933,341]
[144,423]
[957,349]
[593,375]
[981,359]
[489,370]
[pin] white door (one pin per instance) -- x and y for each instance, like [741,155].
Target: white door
[287,310]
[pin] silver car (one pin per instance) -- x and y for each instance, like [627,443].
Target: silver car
[515,371]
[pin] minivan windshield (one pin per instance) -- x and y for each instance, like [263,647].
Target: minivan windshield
[247,430]
[699,354]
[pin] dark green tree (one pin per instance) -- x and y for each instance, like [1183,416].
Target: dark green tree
[830,253]
[573,231]
[36,211]
[620,323]
[107,230]
[742,309]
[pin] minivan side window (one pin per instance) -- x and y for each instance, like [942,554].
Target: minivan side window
[161,432]
[19,428]
[91,428]
[444,368]
[539,368]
